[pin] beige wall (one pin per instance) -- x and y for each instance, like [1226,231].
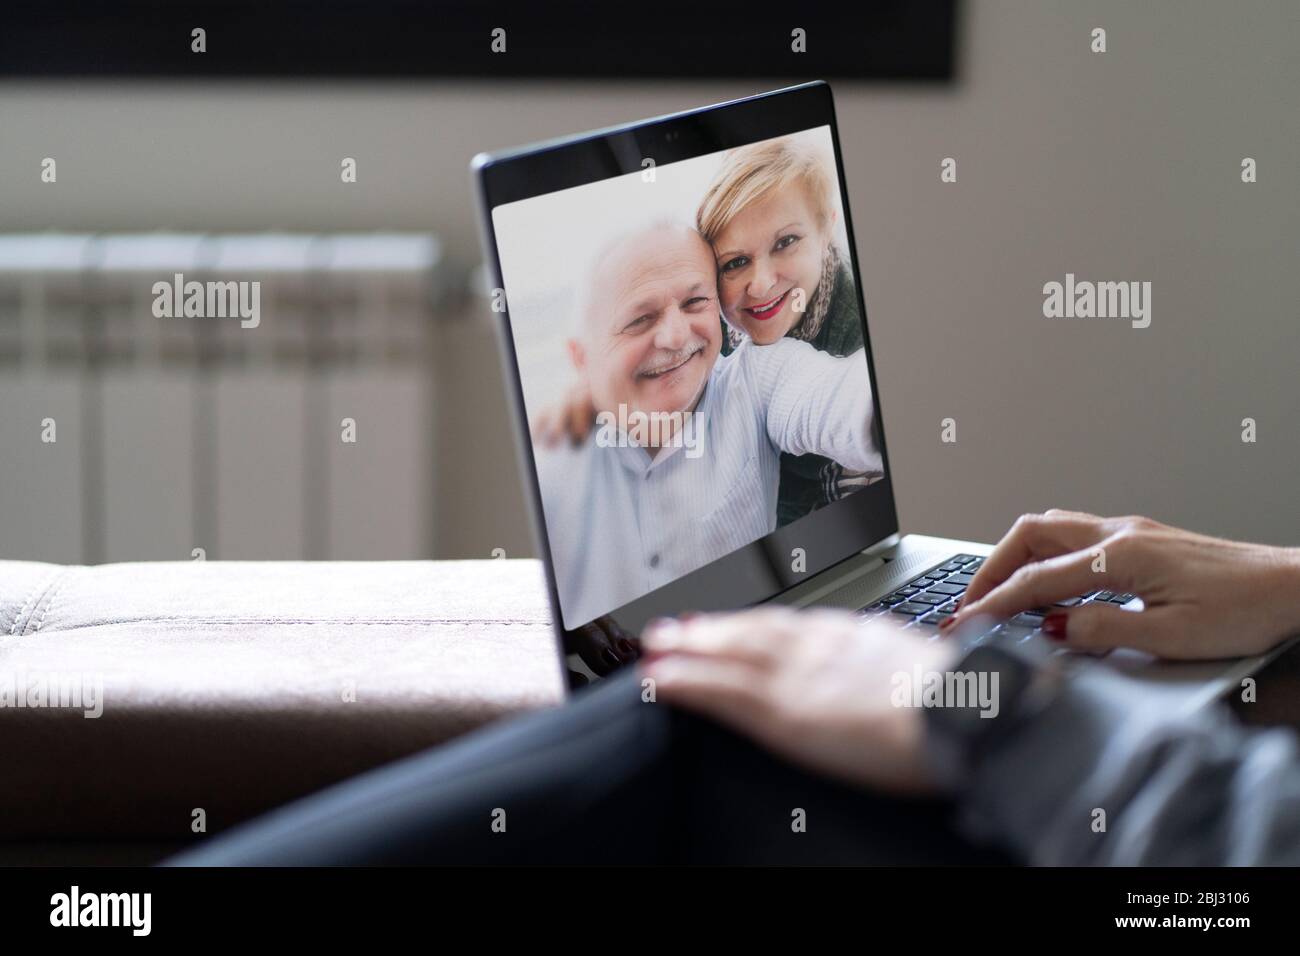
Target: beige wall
[1116,166]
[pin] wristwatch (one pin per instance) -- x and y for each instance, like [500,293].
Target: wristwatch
[1017,680]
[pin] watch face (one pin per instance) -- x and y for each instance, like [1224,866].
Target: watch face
[982,686]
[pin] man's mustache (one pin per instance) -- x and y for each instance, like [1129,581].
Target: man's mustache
[667,361]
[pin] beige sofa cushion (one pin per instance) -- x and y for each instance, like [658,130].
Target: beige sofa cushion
[231,687]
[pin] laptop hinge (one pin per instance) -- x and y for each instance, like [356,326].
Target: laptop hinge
[863,563]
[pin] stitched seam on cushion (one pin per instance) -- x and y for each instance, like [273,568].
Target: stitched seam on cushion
[54,593]
[33,599]
[238,621]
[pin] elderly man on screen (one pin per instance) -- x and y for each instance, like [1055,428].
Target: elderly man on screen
[684,464]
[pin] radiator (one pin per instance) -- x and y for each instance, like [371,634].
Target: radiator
[129,434]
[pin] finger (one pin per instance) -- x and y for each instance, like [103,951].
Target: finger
[1033,538]
[1041,583]
[754,637]
[578,415]
[724,689]
[545,430]
[730,636]
[597,650]
[1068,513]
[569,426]
[1095,627]
[627,645]
[537,426]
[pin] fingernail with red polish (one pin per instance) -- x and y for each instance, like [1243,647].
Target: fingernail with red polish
[946,623]
[1054,625]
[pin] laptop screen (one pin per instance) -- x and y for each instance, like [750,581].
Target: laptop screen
[689,339]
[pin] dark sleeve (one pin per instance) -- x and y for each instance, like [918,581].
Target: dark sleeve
[1177,787]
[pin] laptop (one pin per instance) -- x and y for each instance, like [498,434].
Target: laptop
[682,296]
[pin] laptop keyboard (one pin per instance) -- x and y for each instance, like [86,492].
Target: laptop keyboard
[931,597]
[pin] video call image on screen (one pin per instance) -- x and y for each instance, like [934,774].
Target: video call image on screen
[690,345]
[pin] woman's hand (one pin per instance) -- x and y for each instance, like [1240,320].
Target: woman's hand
[816,687]
[1205,597]
[573,418]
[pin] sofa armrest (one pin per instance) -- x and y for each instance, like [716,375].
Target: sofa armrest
[231,687]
